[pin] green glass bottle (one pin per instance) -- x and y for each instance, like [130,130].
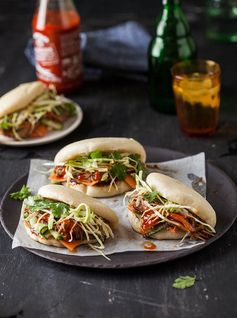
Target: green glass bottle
[171,43]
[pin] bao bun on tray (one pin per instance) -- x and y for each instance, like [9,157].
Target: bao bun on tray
[178,193]
[103,144]
[20,97]
[73,198]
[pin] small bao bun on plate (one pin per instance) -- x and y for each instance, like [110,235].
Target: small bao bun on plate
[20,97]
[177,192]
[72,198]
[104,144]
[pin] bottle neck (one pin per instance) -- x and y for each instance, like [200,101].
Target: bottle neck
[56,4]
[172,22]
[58,13]
[171,2]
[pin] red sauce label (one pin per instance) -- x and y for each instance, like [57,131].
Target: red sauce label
[148,245]
[57,52]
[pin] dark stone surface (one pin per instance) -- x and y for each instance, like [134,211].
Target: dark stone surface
[114,106]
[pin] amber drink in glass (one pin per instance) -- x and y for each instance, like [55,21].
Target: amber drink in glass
[196,86]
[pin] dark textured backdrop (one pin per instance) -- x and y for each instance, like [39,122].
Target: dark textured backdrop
[114,106]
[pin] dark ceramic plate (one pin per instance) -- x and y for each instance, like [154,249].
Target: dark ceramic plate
[221,193]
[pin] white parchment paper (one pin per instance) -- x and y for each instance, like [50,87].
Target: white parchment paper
[190,170]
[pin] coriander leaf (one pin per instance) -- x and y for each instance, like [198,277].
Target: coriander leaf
[134,157]
[184,282]
[31,200]
[57,208]
[22,194]
[71,108]
[5,123]
[96,154]
[35,198]
[37,205]
[118,171]
[78,162]
[138,165]
[141,167]
[115,155]
[151,196]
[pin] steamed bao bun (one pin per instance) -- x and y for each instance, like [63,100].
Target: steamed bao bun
[104,144]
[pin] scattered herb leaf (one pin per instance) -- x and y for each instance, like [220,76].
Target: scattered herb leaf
[184,282]
[22,194]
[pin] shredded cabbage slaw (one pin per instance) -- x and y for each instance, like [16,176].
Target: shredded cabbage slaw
[36,111]
[163,210]
[95,229]
[110,169]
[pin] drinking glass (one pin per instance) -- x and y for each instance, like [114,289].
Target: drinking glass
[196,86]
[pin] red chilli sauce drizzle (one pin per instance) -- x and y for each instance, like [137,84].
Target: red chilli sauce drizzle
[148,245]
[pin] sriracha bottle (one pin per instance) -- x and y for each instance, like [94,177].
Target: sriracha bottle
[57,44]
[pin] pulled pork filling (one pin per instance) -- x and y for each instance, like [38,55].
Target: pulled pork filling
[99,168]
[68,230]
[156,213]
[51,219]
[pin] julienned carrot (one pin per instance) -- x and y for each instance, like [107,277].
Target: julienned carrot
[39,131]
[130,207]
[54,178]
[70,245]
[130,181]
[181,219]
[89,183]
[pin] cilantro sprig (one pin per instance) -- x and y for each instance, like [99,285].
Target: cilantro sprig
[135,160]
[118,171]
[96,154]
[184,282]
[71,108]
[37,203]
[116,155]
[5,124]
[151,196]
[22,194]
[117,168]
